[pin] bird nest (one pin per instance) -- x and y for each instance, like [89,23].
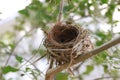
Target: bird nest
[65,42]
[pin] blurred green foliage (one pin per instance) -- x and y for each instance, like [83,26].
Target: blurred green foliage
[41,15]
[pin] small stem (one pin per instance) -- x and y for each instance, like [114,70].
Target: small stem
[61,10]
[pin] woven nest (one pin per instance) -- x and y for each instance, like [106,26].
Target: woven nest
[65,42]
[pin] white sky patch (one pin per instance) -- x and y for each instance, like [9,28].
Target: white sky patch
[42,1]
[116,16]
[10,7]
[104,27]
[104,9]
[117,28]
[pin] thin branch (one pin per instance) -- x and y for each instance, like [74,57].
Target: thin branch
[78,66]
[84,56]
[113,77]
[12,52]
[33,66]
[34,56]
[61,10]
[39,58]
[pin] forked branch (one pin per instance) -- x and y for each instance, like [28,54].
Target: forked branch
[51,72]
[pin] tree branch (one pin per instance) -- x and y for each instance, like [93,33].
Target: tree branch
[84,56]
[61,10]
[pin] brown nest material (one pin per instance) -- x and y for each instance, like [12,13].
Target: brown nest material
[65,42]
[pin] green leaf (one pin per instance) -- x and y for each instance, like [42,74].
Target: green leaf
[18,27]
[27,69]
[101,58]
[114,72]
[8,69]
[2,44]
[12,45]
[42,51]
[89,69]
[61,76]
[110,12]
[68,8]
[105,68]
[104,1]
[24,12]
[19,58]
[104,37]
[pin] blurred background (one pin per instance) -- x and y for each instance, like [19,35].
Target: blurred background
[22,23]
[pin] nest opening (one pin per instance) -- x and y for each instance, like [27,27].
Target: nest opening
[65,35]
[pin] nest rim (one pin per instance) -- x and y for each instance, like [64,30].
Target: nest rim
[65,35]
